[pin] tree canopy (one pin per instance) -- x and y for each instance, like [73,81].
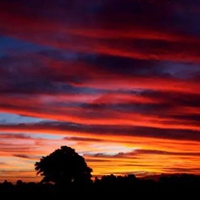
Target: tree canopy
[63,166]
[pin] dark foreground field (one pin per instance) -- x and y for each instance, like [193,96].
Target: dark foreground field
[111,186]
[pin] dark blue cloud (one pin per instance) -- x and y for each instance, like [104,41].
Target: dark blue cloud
[115,130]
[11,46]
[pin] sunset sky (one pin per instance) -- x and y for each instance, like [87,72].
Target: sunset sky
[117,80]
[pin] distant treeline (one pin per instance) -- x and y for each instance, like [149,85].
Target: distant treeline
[125,186]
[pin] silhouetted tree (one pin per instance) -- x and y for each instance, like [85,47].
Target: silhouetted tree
[63,167]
